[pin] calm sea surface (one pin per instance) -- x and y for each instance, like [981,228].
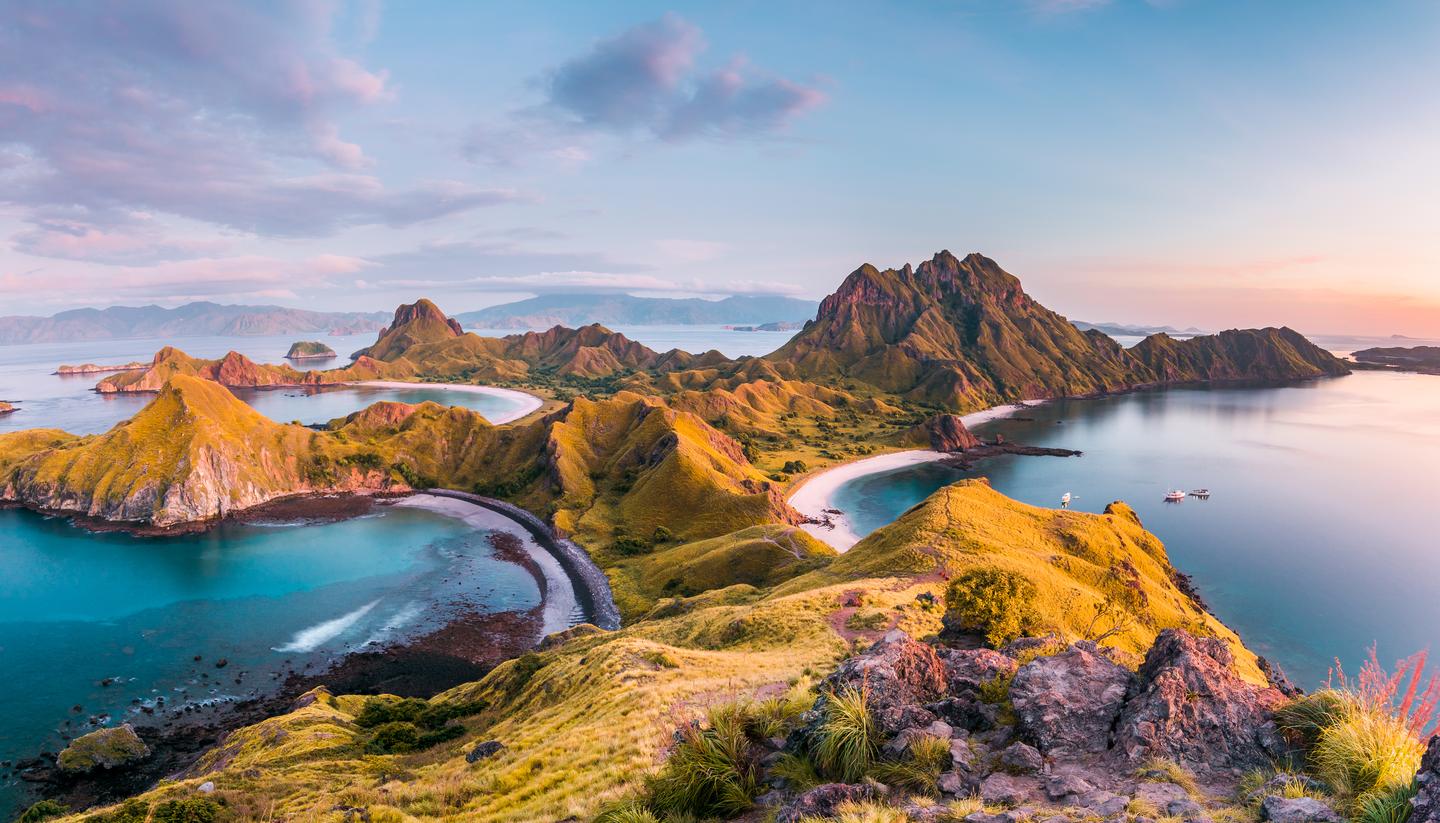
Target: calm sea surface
[1320,536]
[96,628]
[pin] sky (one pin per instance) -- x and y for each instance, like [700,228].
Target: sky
[1208,163]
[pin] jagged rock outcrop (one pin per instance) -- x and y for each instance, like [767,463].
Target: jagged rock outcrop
[1189,705]
[1426,804]
[1067,703]
[899,675]
[943,433]
[413,324]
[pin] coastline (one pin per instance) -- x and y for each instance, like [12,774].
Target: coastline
[814,498]
[559,601]
[527,402]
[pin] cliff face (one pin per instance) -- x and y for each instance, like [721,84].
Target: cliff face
[963,334]
[195,453]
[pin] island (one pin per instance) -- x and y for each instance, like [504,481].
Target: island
[310,350]
[977,654]
[92,368]
[1424,359]
[7,408]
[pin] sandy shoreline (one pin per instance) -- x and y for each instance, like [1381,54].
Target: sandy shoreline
[527,402]
[560,600]
[817,493]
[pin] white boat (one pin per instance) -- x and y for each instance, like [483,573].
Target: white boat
[1175,496]
[1202,493]
[1065,500]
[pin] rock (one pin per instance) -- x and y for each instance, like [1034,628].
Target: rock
[1060,786]
[1296,810]
[1003,789]
[945,433]
[898,745]
[957,783]
[986,817]
[967,669]
[821,801]
[1188,704]
[485,750]
[900,675]
[206,788]
[1426,805]
[1067,703]
[1021,758]
[103,749]
[1101,802]
[960,755]
[1161,794]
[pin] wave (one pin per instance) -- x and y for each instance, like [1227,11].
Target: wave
[308,640]
[400,619]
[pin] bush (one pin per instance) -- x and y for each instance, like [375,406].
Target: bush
[189,810]
[378,711]
[848,739]
[921,767]
[1391,806]
[44,810]
[133,810]
[1365,753]
[997,604]
[713,771]
[397,737]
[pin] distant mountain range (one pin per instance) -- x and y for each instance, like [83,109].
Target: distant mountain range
[189,320]
[577,310]
[1126,330]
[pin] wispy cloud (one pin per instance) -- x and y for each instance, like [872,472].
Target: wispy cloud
[225,112]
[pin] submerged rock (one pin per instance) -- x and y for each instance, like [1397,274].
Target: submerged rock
[103,749]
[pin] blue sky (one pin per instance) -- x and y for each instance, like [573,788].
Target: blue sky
[1193,162]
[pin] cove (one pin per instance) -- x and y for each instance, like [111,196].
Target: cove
[112,624]
[1317,540]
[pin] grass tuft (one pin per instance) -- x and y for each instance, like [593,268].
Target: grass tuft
[849,739]
[714,770]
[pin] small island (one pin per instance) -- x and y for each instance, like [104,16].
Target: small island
[1424,359]
[310,350]
[7,408]
[92,368]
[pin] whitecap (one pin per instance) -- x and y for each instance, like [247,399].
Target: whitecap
[308,640]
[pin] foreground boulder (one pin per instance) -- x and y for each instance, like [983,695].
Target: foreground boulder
[1188,704]
[899,675]
[1297,810]
[103,749]
[1067,704]
[823,801]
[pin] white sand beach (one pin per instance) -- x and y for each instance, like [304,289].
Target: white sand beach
[525,401]
[816,494]
[560,600]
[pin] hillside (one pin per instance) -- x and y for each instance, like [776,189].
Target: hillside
[962,334]
[239,371]
[549,310]
[196,452]
[595,709]
[1413,358]
[189,320]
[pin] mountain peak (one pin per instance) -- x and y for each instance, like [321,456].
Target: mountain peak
[414,323]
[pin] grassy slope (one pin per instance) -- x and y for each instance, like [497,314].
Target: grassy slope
[584,727]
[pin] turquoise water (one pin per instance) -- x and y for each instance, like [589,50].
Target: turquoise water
[1319,537]
[49,400]
[78,608]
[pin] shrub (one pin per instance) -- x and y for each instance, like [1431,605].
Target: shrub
[662,535]
[397,737]
[133,810]
[797,771]
[997,604]
[713,771]
[378,711]
[43,810]
[189,810]
[848,739]
[1366,752]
